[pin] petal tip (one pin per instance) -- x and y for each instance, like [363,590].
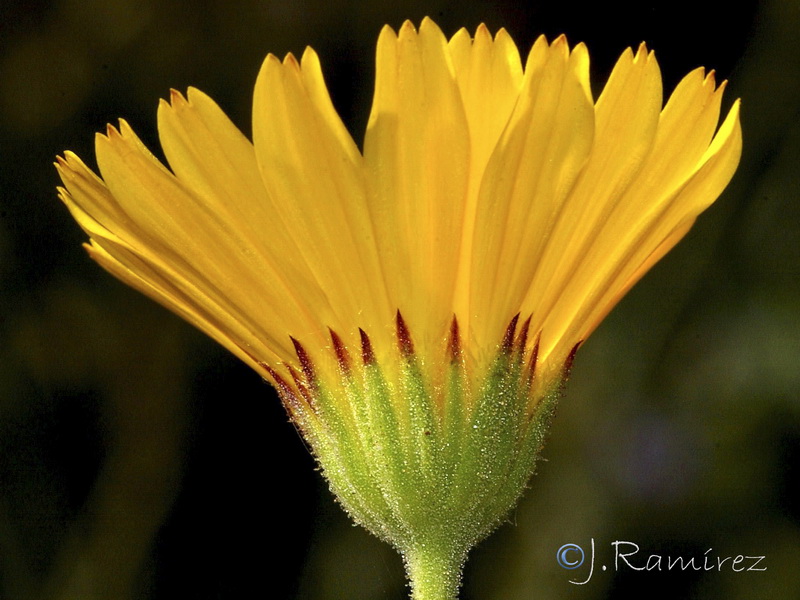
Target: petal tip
[290,60]
[176,98]
[407,29]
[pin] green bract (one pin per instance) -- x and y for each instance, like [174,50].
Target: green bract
[431,469]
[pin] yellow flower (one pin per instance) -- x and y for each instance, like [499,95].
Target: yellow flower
[436,282]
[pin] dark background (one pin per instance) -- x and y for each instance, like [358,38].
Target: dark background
[140,461]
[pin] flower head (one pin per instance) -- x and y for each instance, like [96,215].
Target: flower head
[417,303]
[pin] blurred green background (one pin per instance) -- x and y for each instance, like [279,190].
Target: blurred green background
[140,461]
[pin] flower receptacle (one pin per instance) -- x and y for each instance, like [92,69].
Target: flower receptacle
[432,467]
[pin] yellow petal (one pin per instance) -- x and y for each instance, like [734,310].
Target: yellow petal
[489,76]
[627,115]
[159,281]
[312,173]
[87,194]
[416,154]
[537,161]
[131,261]
[714,171]
[218,164]
[632,240]
[176,227]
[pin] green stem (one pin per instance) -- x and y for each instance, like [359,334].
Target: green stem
[434,571]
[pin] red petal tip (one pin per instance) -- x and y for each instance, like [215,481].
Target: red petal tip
[341,352]
[305,361]
[367,354]
[454,342]
[570,360]
[404,337]
[533,362]
[508,338]
[522,338]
